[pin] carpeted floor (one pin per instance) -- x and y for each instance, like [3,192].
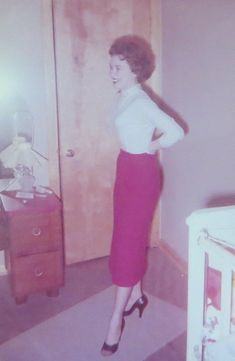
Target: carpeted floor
[77,333]
[28,329]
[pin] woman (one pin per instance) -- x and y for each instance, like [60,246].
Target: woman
[136,189]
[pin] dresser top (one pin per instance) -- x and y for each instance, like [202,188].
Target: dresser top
[11,204]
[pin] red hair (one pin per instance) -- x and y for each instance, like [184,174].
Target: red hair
[137,52]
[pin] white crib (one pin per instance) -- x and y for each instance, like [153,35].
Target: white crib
[211,246]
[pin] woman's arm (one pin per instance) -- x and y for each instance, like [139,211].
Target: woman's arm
[171,134]
[170,131]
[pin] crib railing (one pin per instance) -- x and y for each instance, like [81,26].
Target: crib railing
[211,248]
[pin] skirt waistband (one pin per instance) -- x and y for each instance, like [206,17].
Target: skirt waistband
[136,155]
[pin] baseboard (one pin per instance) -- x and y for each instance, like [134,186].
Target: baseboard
[180,263]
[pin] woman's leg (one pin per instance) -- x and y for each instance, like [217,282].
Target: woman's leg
[121,299]
[124,299]
[136,293]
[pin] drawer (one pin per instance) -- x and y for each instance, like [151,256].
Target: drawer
[36,233]
[37,273]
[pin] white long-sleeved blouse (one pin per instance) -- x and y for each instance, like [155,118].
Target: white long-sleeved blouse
[137,117]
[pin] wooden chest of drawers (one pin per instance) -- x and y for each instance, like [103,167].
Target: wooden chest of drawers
[34,247]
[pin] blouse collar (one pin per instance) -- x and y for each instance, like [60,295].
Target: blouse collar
[131,91]
[126,97]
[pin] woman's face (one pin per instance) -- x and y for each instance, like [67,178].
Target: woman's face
[121,74]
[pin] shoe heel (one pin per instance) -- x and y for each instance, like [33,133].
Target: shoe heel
[139,305]
[142,305]
[141,310]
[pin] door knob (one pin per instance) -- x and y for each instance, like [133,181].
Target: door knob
[70,153]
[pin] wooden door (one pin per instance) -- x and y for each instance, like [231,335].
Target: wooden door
[83,32]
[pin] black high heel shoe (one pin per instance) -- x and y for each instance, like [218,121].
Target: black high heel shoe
[140,305]
[108,350]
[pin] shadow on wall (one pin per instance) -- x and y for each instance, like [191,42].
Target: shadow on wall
[166,108]
[221,200]
[172,113]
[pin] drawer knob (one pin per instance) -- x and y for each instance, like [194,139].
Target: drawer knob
[36,231]
[38,273]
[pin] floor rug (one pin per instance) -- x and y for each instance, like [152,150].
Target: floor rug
[77,334]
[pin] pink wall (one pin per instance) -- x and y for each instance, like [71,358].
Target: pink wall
[199,84]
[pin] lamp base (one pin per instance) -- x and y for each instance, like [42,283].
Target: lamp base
[26,183]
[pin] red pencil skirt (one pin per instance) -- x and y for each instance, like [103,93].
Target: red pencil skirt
[136,193]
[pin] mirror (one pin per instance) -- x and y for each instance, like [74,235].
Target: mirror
[28,113]
[21,166]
